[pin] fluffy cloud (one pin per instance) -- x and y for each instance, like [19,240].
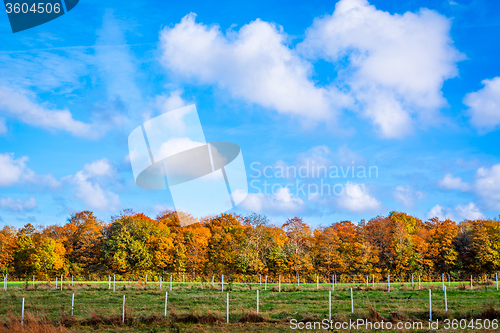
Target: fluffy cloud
[280,203]
[17,104]
[3,127]
[484,105]
[88,186]
[253,64]
[18,205]
[13,171]
[453,183]
[487,186]
[458,213]
[407,195]
[396,63]
[355,198]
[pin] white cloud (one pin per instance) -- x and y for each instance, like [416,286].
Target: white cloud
[484,105]
[458,213]
[18,205]
[18,104]
[253,64]
[88,186]
[283,202]
[407,195]
[13,171]
[355,198]
[396,63]
[487,185]
[171,102]
[453,183]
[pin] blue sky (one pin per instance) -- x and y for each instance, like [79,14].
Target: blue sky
[409,88]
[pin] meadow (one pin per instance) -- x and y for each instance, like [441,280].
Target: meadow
[201,307]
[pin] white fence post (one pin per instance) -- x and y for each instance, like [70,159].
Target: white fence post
[123,310]
[183,279]
[61,282]
[227,308]
[170,282]
[114,282]
[496,278]
[222,282]
[389,282]
[317,281]
[471,282]
[329,305]
[72,303]
[352,303]
[161,278]
[419,282]
[257,301]
[430,306]
[333,284]
[22,313]
[445,300]
[265,284]
[442,280]
[298,279]
[212,280]
[166,298]
[279,283]
[56,282]
[367,281]
[33,280]
[146,280]
[109,282]
[412,280]
[373,280]
[260,279]
[72,280]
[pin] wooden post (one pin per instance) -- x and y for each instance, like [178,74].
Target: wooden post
[257,301]
[352,303]
[329,305]
[22,313]
[166,299]
[123,310]
[227,308]
[430,306]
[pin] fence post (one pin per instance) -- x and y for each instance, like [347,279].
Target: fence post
[114,282]
[471,282]
[430,306]
[146,280]
[373,280]
[61,282]
[56,282]
[333,284]
[260,279]
[257,301]
[123,310]
[352,303]
[298,279]
[161,278]
[109,282]
[445,300]
[170,282]
[449,280]
[419,282]
[279,283]
[496,278]
[389,283]
[317,282]
[72,280]
[265,284]
[329,305]
[33,280]
[485,280]
[22,313]
[212,281]
[183,281]
[442,280]
[227,308]
[72,303]
[222,282]
[166,298]
[367,281]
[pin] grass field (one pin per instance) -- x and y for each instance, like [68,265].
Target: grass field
[201,307]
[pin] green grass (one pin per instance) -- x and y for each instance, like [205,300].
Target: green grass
[198,307]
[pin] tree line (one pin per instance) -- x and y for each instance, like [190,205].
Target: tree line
[132,245]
